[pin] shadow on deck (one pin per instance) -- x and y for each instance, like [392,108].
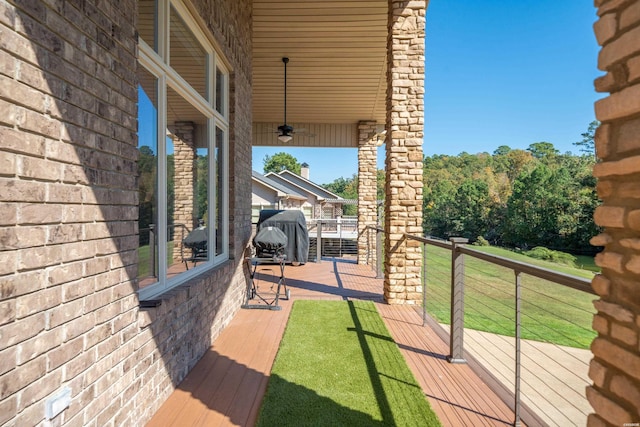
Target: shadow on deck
[227,385]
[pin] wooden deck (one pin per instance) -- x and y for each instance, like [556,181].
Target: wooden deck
[227,385]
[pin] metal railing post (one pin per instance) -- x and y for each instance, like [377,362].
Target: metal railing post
[319,242]
[456,334]
[152,250]
[367,235]
[379,274]
[424,284]
[516,392]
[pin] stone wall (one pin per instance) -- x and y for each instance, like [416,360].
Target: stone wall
[615,368]
[184,153]
[69,312]
[405,117]
[367,189]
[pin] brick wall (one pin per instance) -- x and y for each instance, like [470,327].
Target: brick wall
[615,368]
[69,314]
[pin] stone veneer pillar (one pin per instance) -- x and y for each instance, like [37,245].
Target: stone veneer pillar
[184,153]
[615,368]
[367,188]
[405,119]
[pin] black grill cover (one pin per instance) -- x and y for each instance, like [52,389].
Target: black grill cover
[294,226]
[197,239]
[270,241]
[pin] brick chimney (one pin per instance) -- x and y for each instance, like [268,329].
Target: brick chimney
[304,170]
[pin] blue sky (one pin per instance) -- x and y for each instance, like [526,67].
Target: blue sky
[498,73]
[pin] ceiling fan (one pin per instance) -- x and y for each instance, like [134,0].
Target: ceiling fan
[285,131]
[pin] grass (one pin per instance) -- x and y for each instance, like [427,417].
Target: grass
[587,262]
[550,312]
[144,258]
[337,365]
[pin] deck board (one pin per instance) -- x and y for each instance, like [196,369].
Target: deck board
[227,385]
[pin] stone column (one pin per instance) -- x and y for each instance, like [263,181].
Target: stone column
[367,189]
[405,119]
[615,368]
[184,155]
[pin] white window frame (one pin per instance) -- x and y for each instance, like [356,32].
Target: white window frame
[158,65]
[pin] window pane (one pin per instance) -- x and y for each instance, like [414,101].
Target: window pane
[186,54]
[187,176]
[220,91]
[220,190]
[148,22]
[148,178]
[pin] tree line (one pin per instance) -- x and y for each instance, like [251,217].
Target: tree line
[512,197]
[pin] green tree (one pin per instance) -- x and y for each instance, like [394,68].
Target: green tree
[381,178]
[542,150]
[587,144]
[346,188]
[281,161]
[472,205]
[501,150]
[538,207]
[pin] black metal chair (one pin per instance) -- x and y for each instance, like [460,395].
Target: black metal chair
[196,242]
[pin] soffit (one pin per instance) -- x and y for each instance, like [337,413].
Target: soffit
[337,61]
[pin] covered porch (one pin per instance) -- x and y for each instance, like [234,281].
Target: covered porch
[227,386]
[351,75]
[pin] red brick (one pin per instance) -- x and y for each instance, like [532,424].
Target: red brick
[600,324]
[605,28]
[78,364]
[630,16]
[601,285]
[16,332]
[619,104]
[22,191]
[40,389]
[37,302]
[633,65]
[78,327]
[626,389]
[8,408]
[607,408]
[615,311]
[628,139]
[616,356]
[624,334]
[7,311]
[42,170]
[63,353]
[8,214]
[610,260]
[8,359]
[598,373]
[18,378]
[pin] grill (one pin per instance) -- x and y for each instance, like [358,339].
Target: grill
[270,242]
[294,226]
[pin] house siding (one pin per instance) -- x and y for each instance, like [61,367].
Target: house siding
[69,312]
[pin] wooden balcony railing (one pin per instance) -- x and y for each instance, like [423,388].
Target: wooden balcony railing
[549,366]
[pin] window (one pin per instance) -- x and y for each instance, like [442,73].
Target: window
[183,149]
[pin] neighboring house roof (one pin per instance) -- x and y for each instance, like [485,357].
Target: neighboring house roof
[295,181]
[281,190]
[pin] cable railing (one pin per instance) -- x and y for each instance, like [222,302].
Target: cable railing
[525,329]
[332,237]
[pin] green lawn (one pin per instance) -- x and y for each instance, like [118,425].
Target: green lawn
[337,365]
[144,268]
[550,312]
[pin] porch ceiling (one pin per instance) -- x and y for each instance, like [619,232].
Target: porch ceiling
[337,67]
